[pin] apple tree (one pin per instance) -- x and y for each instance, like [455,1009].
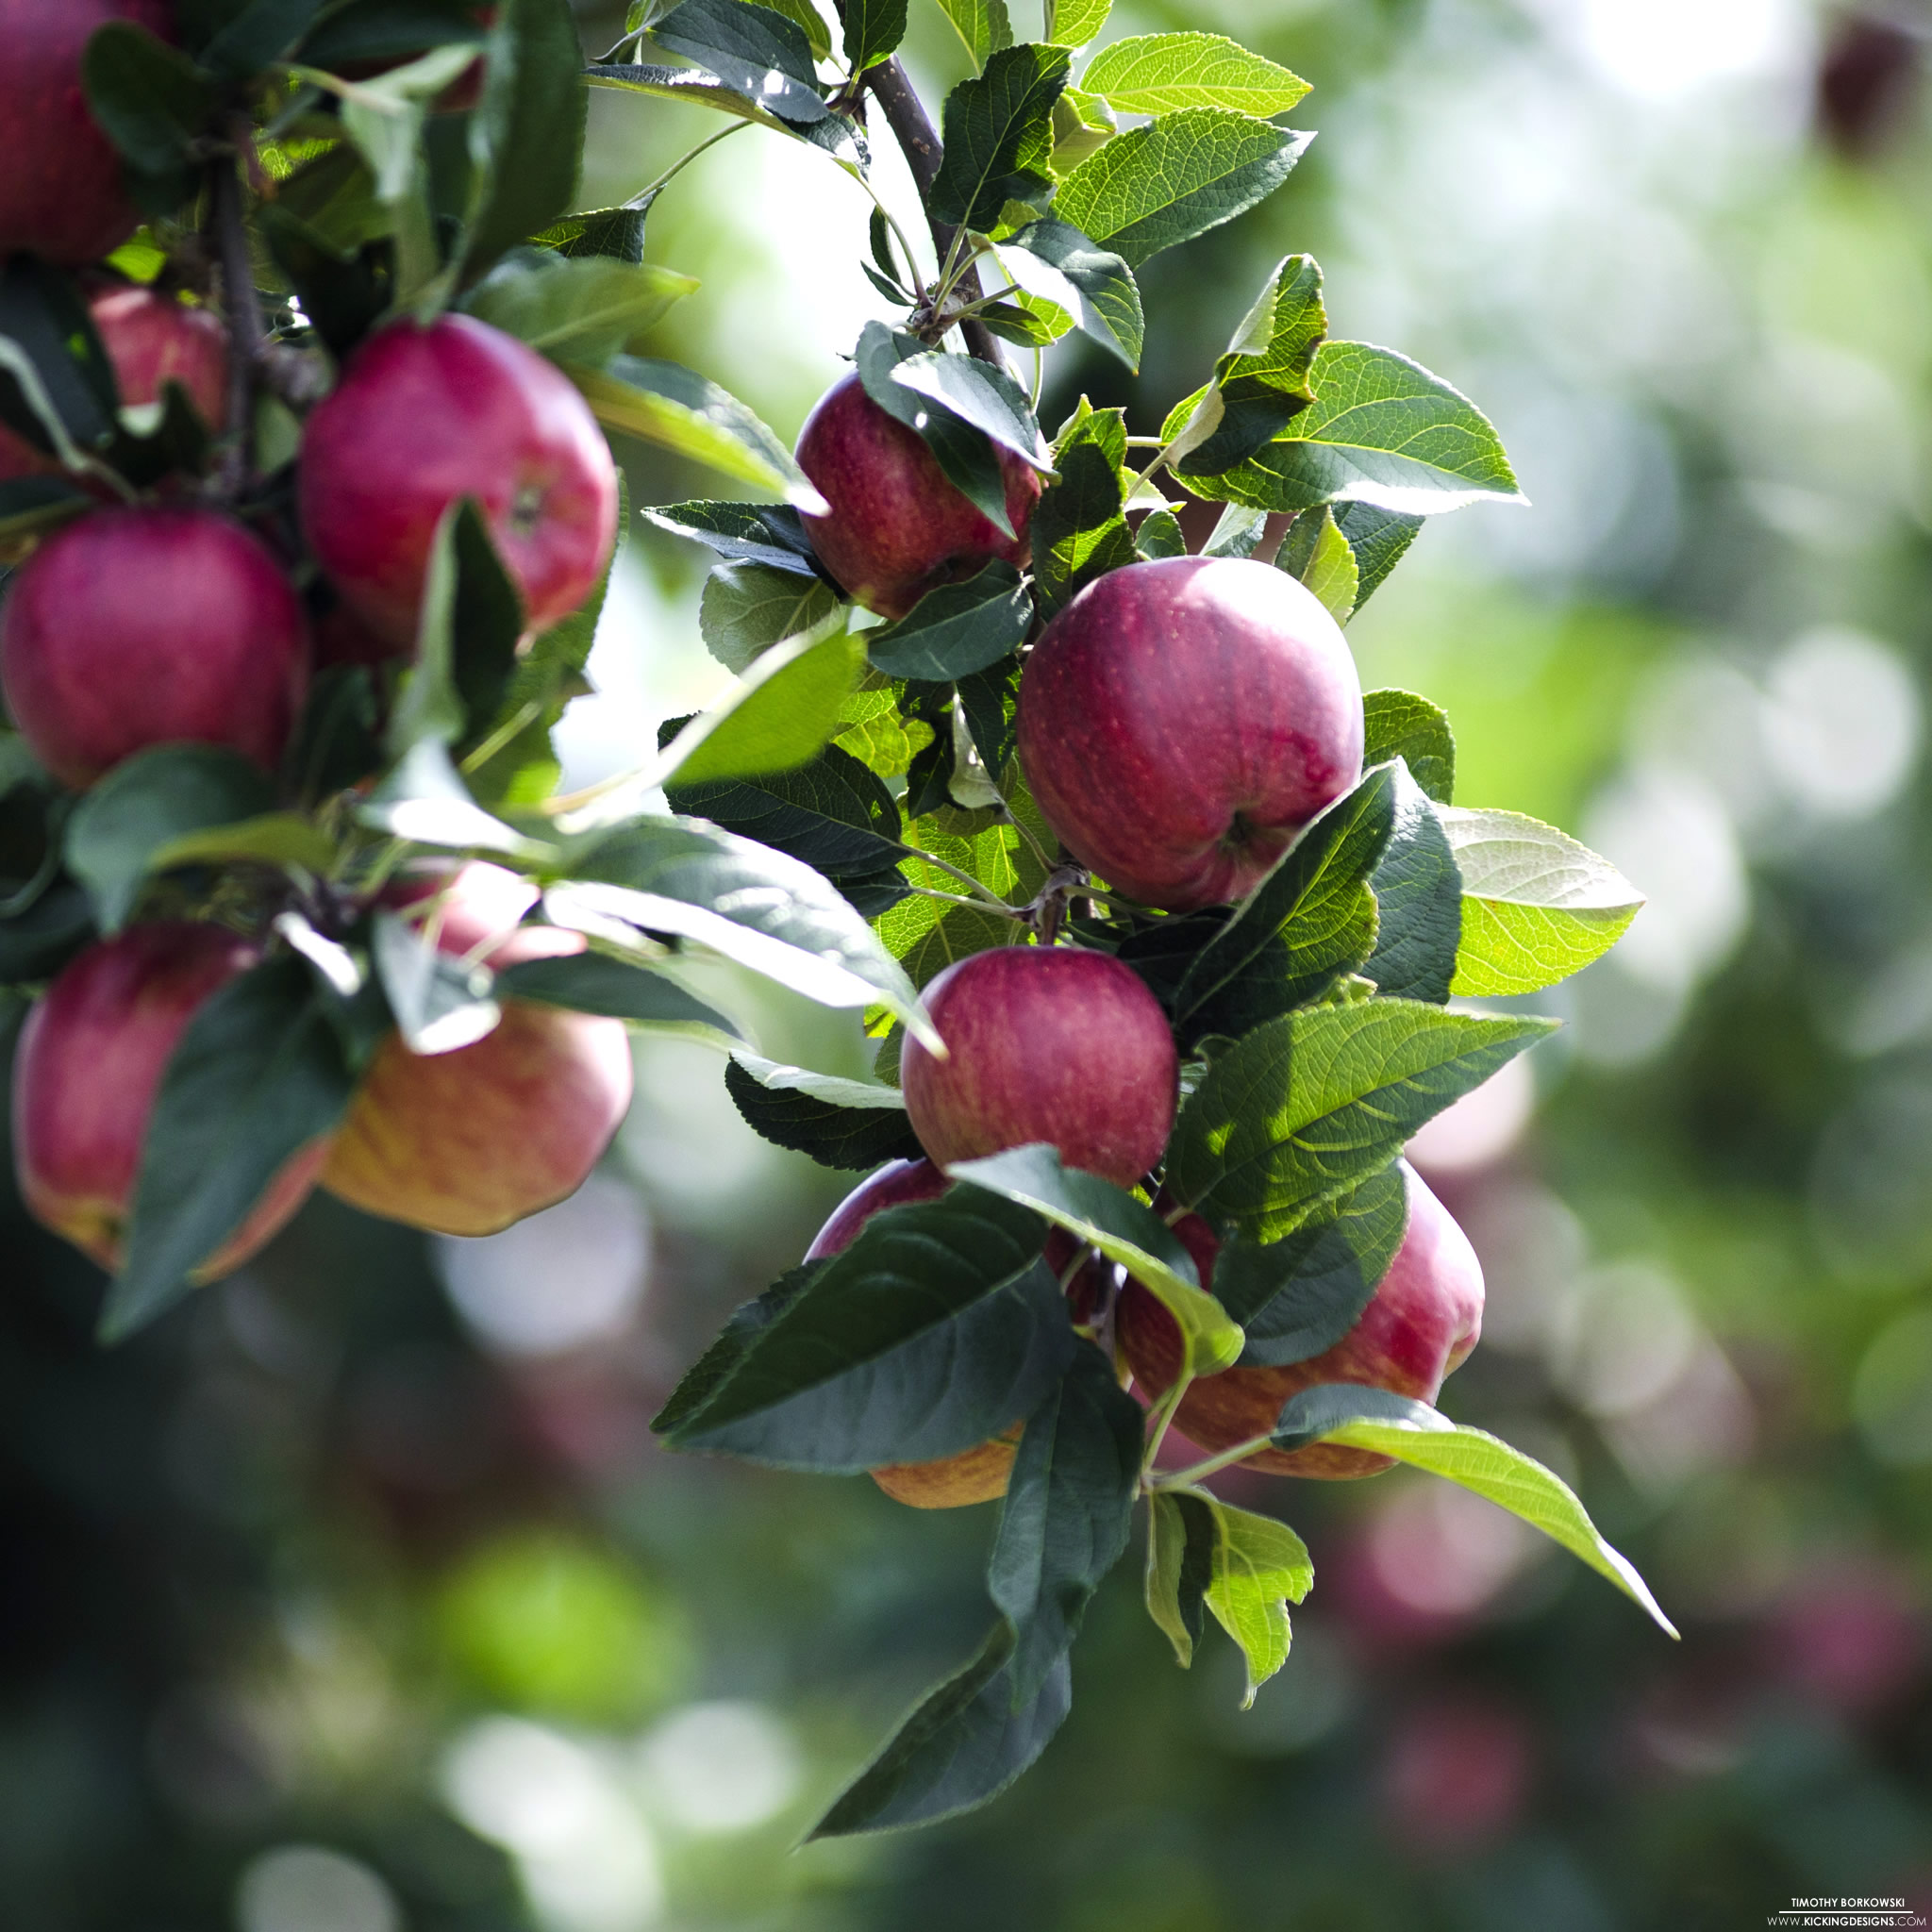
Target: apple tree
[1047,756]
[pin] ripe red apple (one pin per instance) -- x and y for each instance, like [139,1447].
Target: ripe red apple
[425,416]
[1181,720]
[466,1142]
[1044,1044]
[151,625]
[1425,1317]
[90,1065]
[897,527]
[61,193]
[150,338]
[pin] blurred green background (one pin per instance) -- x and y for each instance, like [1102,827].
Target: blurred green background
[355,1597]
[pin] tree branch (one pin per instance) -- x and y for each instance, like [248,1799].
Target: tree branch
[919,141]
[240,305]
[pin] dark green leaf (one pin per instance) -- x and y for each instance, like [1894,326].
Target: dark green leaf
[56,385]
[261,32]
[762,52]
[370,30]
[712,1369]
[768,533]
[1160,535]
[1101,293]
[957,629]
[1401,725]
[747,608]
[31,505]
[998,136]
[1080,532]
[595,983]
[150,100]
[1378,537]
[979,394]
[965,453]
[1238,533]
[857,1139]
[37,942]
[616,234]
[1419,900]
[485,621]
[874,29]
[1263,380]
[989,703]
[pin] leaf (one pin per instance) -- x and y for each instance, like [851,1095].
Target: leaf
[1400,724]
[1418,902]
[1412,1432]
[1078,530]
[1297,1297]
[784,708]
[936,1329]
[365,30]
[1537,906]
[1077,21]
[963,1745]
[117,832]
[1380,539]
[440,1002]
[712,1369]
[809,21]
[1069,1505]
[1124,1231]
[424,799]
[747,608]
[762,54]
[767,533]
[772,913]
[35,943]
[873,30]
[526,135]
[1318,554]
[672,407]
[999,137]
[149,98]
[616,989]
[1383,431]
[1083,123]
[581,308]
[876,734]
[614,234]
[57,387]
[1160,535]
[1294,1115]
[259,33]
[963,452]
[257,1076]
[839,1124]
[1260,1567]
[982,24]
[1161,74]
[1237,533]
[1094,285]
[1176,178]
[957,628]
[32,506]
[1182,1536]
[986,398]
[275,838]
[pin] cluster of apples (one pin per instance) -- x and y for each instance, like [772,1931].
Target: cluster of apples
[1180,721]
[194,617]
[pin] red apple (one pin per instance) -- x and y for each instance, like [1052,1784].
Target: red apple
[150,339]
[426,415]
[897,527]
[466,1142]
[896,1185]
[1425,1317]
[61,193]
[142,626]
[1181,720]
[1050,1043]
[90,1060]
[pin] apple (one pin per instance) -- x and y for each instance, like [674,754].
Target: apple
[896,528]
[468,1142]
[1181,720]
[61,193]
[88,1067]
[151,625]
[1425,1317]
[427,414]
[1050,1043]
[150,338]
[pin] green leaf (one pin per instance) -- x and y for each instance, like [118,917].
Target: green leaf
[936,1329]
[767,533]
[1297,1297]
[1161,74]
[57,385]
[1069,1507]
[957,629]
[257,1076]
[1537,906]
[614,234]
[1160,535]
[35,943]
[986,398]
[616,989]
[257,34]
[963,452]
[1302,1109]
[150,99]
[873,30]
[275,838]
[1079,531]
[1318,554]
[117,834]
[1174,178]
[1094,285]
[1077,21]
[581,308]
[982,24]
[839,1124]
[31,505]
[809,21]
[772,913]
[963,1745]
[366,30]
[440,1002]
[424,799]
[526,135]
[747,608]
[1124,1231]
[785,706]
[1083,123]
[672,407]
[1383,431]
[763,54]
[1237,532]
[999,137]
[1260,1567]
[712,1369]
[1418,902]
[1414,1433]
[876,734]
[1378,537]
[1182,1537]
[1400,724]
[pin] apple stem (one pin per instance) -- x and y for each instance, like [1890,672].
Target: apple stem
[241,306]
[919,141]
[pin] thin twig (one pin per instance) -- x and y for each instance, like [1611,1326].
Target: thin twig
[240,305]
